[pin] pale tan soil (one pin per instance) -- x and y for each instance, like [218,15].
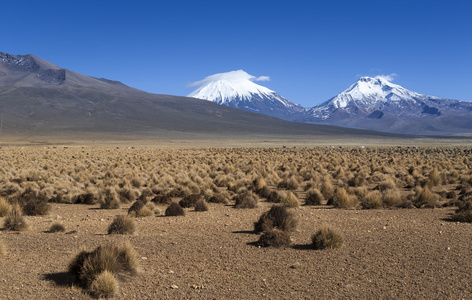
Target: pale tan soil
[388,254]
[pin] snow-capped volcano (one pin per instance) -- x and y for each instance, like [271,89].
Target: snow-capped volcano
[376,103]
[237,89]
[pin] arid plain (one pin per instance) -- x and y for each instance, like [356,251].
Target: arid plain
[394,208]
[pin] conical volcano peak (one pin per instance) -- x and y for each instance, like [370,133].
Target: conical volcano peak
[238,89]
[225,87]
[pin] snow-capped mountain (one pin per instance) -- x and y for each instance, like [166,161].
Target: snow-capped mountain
[237,89]
[376,103]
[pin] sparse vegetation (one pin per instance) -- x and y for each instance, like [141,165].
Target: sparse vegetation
[117,260]
[464,212]
[201,205]
[314,197]
[140,209]
[104,285]
[14,220]
[289,199]
[277,217]
[349,177]
[344,200]
[122,225]
[372,200]
[56,227]
[5,207]
[174,209]
[327,237]
[246,199]
[109,199]
[274,238]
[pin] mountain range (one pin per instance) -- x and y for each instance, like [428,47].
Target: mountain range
[38,98]
[372,103]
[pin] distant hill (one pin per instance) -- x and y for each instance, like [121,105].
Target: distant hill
[38,97]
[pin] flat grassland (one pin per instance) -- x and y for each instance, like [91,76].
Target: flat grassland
[395,208]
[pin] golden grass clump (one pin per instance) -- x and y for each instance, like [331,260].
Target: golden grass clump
[259,183]
[314,197]
[392,198]
[327,238]
[140,210]
[435,178]
[274,238]
[327,188]
[372,200]
[105,285]
[464,212]
[277,217]
[5,207]
[290,183]
[14,220]
[118,260]
[426,199]
[109,199]
[56,227]
[174,209]
[387,184]
[246,199]
[344,200]
[289,199]
[121,225]
[201,205]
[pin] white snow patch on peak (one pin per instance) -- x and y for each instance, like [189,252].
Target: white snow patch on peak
[368,90]
[233,76]
[225,87]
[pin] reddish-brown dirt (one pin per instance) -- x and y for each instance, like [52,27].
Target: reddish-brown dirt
[387,254]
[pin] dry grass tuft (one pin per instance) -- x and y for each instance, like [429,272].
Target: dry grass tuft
[122,225]
[201,205]
[327,237]
[274,238]
[118,260]
[219,198]
[190,200]
[372,200]
[56,227]
[14,219]
[435,178]
[174,209]
[104,285]
[162,199]
[86,198]
[344,200]
[246,199]
[327,188]
[140,210]
[274,197]
[314,197]
[290,200]
[290,183]
[463,213]
[277,217]
[5,207]
[426,199]
[392,198]
[109,199]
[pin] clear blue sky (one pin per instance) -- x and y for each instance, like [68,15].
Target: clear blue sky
[312,50]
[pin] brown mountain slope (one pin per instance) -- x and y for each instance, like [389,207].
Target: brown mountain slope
[39,97]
